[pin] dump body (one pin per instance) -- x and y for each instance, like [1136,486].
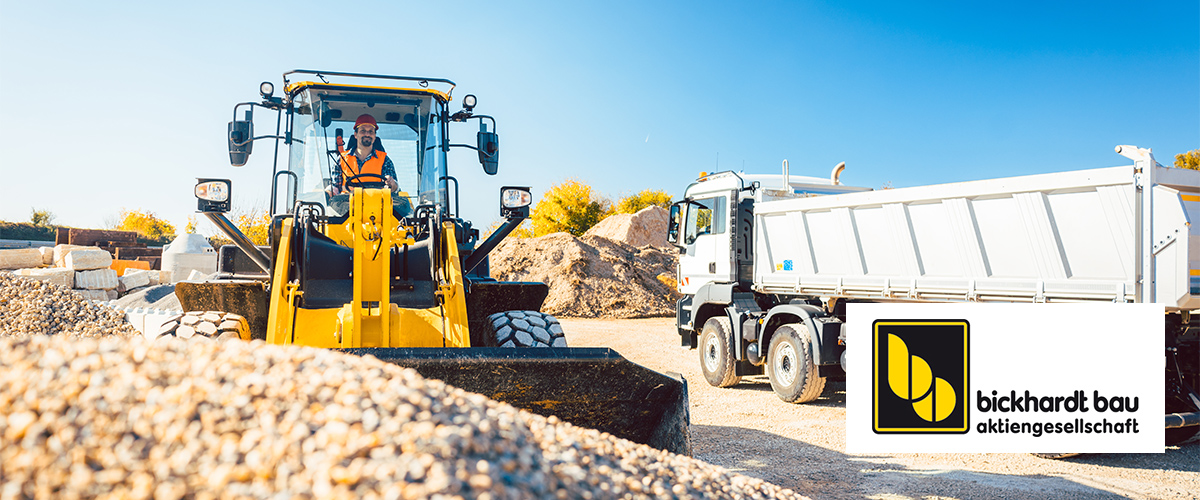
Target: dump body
[1070,236]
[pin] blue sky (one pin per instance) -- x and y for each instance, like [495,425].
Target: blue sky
[111,105]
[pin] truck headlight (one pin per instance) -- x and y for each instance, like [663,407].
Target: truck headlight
[213,195]
[515,201]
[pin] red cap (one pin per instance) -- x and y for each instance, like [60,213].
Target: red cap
[366,119]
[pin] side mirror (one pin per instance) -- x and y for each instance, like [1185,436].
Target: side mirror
[673,224]
[241,143]
[489,149]
[324,114]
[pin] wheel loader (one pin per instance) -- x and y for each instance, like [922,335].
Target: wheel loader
[387,267]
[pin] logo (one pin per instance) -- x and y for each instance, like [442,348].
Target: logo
[920,376]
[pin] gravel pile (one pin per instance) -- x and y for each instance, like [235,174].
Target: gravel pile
[196,418]
[38,307]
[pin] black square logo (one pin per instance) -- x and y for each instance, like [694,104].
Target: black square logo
[920,376]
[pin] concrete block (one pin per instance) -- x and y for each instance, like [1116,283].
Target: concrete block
[99,295]
[47,255]
[19,258]
[134,279]
[112,294]
[61,251]
[98,279]
[83,259]
[55,275]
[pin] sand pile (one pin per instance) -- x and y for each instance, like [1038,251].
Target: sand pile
[646,227]
[597,276]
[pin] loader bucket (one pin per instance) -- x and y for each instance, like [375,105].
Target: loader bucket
[587,386]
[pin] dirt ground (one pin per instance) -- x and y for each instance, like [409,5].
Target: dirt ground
[747,429]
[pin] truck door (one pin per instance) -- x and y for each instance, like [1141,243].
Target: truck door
[706,234]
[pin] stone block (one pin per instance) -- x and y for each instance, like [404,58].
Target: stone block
[135,278]
[83,259]
[100,295]
[47,255]
[54,275]
[112,294]
[19,258]
[61,251]
[98,279]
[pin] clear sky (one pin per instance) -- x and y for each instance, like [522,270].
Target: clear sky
[111,105]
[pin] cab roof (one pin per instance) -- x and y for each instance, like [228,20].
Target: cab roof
[363,82]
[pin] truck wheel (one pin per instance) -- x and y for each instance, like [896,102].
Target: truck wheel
[790,365]
[525,329]
[206,324]
[716,355]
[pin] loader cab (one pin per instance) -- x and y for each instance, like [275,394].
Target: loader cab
[411,132]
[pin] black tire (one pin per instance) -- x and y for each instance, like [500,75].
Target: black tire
[214,325]
[794,375]
[525,329]
[716,354]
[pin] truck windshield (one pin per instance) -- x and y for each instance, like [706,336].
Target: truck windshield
[404,133]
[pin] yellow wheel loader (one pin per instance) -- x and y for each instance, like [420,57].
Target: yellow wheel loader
[380,263]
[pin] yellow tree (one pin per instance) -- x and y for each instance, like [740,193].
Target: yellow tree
[1190,160]
[572,207]
[646,198]
[145,223]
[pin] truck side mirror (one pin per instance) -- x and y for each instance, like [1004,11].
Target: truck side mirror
[488,144]
[241,143]
[673,223]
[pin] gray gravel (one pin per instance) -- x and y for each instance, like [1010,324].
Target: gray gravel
[197,418]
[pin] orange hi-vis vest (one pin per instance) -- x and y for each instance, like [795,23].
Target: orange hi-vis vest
[373,165]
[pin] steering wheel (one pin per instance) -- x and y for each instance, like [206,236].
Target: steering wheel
[358,181]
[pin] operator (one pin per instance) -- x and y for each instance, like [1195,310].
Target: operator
[365,156]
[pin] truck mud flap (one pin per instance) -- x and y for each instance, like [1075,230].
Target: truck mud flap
[587,386]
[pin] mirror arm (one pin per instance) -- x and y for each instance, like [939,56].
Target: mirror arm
[248,141]
[468,146]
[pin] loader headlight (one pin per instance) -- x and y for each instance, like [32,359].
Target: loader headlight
[469,102]
[266,89]
[213,195]
[515,201]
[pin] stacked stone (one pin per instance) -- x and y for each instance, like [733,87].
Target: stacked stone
[197,418]
[83,268]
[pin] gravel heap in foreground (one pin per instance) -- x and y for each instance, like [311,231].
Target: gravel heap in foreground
[38,307]
[197,418]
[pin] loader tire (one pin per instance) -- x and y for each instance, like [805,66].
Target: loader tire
[214,325]
[716,354]
[525,329]
[794,375]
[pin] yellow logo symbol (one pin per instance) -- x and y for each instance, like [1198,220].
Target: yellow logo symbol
[910,378]
[920,376]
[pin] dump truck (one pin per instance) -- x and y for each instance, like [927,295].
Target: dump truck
[768,262]
[379,261]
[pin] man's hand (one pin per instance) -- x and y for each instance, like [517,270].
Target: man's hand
[391,183]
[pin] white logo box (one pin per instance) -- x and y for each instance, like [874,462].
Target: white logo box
[1050,350]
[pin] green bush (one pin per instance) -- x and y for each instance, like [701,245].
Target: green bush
[26,231]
